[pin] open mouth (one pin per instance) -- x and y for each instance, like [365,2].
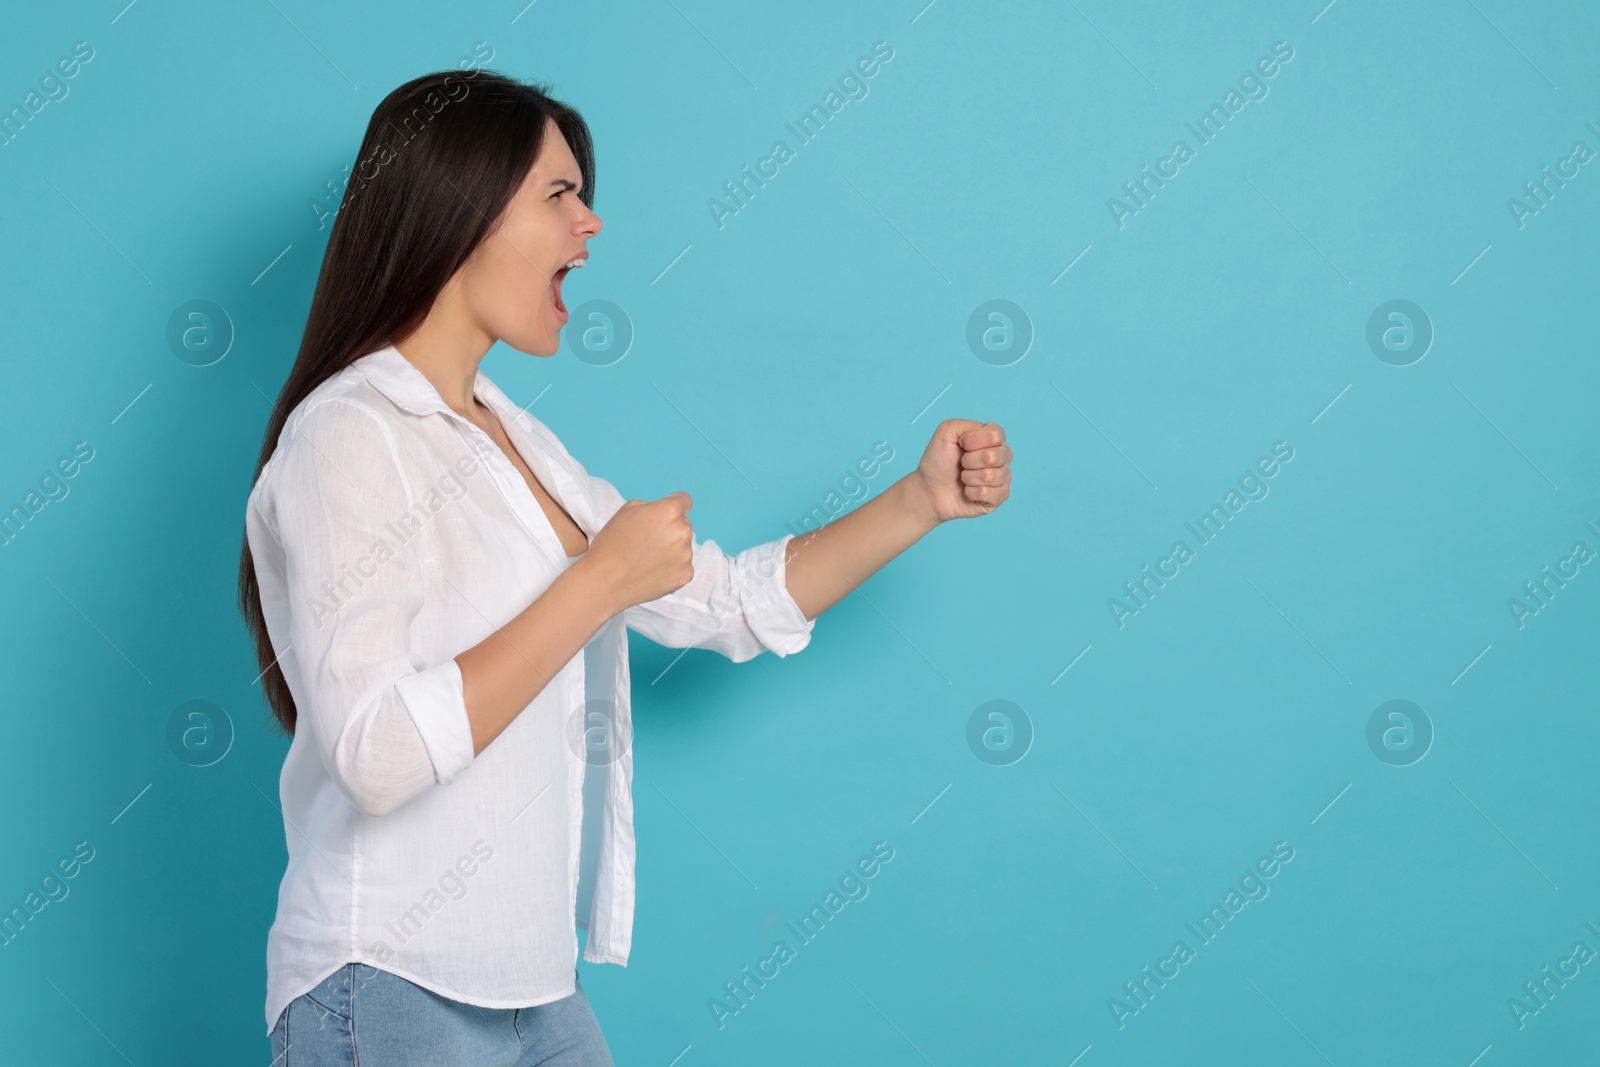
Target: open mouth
[555,291]
[558,278]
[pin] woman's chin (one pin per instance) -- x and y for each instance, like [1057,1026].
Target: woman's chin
[546,342]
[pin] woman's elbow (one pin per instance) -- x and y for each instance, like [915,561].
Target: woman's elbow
[379,761]
[376,780]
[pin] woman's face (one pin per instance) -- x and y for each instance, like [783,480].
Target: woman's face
[514,277]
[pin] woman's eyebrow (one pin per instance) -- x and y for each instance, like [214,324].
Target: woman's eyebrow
[563,182]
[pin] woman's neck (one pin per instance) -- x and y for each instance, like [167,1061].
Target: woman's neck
[447,349]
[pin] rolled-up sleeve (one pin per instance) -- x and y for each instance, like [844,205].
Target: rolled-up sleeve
[736,605]
[388,725]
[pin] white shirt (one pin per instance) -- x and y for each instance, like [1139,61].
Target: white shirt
[389,535]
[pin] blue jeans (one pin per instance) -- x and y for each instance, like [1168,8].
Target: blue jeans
[391,1022]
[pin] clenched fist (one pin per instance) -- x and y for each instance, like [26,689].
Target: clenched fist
[966,469]
[646,551]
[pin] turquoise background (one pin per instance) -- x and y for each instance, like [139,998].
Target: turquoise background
[1231,713]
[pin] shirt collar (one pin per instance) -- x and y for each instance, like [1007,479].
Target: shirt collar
[397,378]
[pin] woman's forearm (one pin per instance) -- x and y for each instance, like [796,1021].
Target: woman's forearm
[824,565]
[503,673]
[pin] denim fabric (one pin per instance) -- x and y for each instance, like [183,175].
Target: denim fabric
[386,1021]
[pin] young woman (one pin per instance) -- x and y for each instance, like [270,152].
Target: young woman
[439,595]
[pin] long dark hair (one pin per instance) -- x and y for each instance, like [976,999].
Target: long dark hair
[442,155]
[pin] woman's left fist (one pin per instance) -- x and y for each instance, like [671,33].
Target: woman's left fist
[965,471]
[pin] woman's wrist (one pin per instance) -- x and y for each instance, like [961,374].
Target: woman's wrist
[590,575]
[915,502]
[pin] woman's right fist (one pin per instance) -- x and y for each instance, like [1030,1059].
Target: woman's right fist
[646,551]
